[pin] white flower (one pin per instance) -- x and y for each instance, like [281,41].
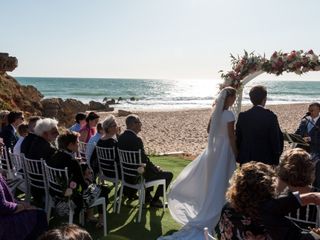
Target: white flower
[68,192]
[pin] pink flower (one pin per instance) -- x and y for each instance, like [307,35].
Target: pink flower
[73,185]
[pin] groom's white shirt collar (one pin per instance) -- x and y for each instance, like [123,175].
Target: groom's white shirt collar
[315,119]
[260,106]
[129,130]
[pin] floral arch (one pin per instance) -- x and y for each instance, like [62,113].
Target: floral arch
[249,66]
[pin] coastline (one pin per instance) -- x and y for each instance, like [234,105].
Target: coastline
[171,130]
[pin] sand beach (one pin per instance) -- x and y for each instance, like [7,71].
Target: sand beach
[184,131]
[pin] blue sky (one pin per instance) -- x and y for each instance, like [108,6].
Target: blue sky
[164,39]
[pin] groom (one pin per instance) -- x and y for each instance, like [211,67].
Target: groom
[258,133]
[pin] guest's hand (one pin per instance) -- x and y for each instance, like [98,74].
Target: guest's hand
[159,168]
[307,139]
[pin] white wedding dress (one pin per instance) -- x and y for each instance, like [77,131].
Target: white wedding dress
[198,194]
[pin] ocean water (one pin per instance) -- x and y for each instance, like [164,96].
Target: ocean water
[165,94]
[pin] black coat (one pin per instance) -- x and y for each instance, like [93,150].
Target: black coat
[9,136]
[259,137]
[128,140]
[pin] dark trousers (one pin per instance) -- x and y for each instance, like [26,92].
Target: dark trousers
[159,193]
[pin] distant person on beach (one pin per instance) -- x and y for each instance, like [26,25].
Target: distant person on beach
[23,131]
[309,129]
[259,137]
[197,195]
[9,133]
[89,129]
[130,141]
[80,122]
[27,141]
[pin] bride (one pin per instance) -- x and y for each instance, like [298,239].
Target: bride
[198,194]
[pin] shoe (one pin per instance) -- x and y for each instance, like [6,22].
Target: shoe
[156,204]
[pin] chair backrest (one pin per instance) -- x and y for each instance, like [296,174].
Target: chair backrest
[5,166]
[18,165]
[207,235]
[82,150]
[106,162]
[308,215]
[57,179]
[130,161]
[35,173]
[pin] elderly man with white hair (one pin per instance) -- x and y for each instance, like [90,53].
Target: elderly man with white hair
[41,147]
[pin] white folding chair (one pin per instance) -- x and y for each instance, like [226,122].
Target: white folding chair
[108,169]
[130,161]
[5,166]
[36,178]
[18,171]
[82,151]
[305,218]
[207,235]
[55,177]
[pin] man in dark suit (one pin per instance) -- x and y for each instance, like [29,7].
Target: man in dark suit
[259,137]
[309,129]
[9,132]
[129,140]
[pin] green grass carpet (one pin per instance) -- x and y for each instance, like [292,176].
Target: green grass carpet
[123,226]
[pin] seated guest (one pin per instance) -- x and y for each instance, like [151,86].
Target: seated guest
[130,141]
[23,131]
[296,173]
[19,220]
[9,132]
[42,146]
[80,122]
[88,130]
[89,179]
[309,129]
[253,212]
[93,142]
[108,140]
[68,145]
[3,119]
[66,232]
[26,143]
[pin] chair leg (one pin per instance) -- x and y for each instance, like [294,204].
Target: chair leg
[141,200]
[115,197]
[71,216]
[104,219]
[164,197]
[120,198]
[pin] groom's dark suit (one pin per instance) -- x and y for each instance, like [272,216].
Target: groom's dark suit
[259,137]
[128,140]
